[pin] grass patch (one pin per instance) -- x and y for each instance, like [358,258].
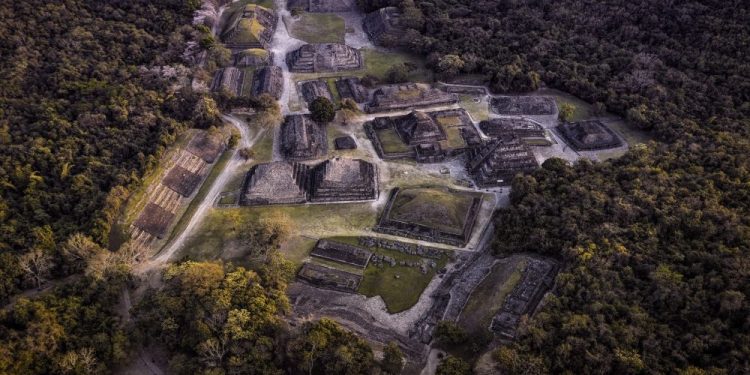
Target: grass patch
[377,63]
[331,82]
[435,208]
[247,81]
[629,133]
[478,111]
[454,138]
[490,294]
[263,148]
[391,142]
[319,28]
[221,229]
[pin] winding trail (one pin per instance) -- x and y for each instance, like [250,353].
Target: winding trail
[281,44]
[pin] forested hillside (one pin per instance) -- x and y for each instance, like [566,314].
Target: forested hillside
[655,245]
[82,116]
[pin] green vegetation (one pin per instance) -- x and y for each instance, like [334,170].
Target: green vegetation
[489,296]
[378,63]
[331,82]
[391,142]
[479,111]
[454,138]
[433,207]
[318,28]
[322,110]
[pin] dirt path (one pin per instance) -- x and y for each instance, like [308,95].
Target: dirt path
[224,176]
[281,44]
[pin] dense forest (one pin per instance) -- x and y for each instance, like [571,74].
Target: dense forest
[85,109]
[655,244]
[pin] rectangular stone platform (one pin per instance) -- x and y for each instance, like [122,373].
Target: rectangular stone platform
[342,253]
[329,278]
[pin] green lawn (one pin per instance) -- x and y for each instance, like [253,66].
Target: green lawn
[489,295]
[478,111]
[318,28]
[377,63]
[391,141]
[435,208]
[400,293]
[331,82]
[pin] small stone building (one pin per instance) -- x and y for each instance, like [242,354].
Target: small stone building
[589,135]
[312,90]
[345,143]
[228,79]
[341,179]
[303,139]
[383,26]
[324,57]
[275,183]
[408,96]
[329,278]
[268,80]
[351,88]
[252,28]
[342,253]
[496,162]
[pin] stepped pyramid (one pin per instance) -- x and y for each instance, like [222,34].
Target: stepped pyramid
[341,179]
[324,57]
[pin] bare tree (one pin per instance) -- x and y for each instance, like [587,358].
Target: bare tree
[36,265]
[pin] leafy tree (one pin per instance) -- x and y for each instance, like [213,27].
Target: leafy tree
[322,110]
[453,366]
[323,347]
[450,65]
[566,111]
[393,359]
[450,333]
[398,73]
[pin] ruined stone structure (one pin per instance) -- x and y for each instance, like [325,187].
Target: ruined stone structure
[342,253]
[329,278]
[589,135]
[524,105]
[275,183]
[253,57]
[268,80]
[324,57]
[253,27]
[527,130]
[312,90]
[427,137]
[324,6]
[182,180]
[345,143]
[496,162]
[537,279]
[207,145]
[154,220]
[351,88]
[228,79]
[341,179]
[303,139]
[383,26]
[444,228]
[408,96]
